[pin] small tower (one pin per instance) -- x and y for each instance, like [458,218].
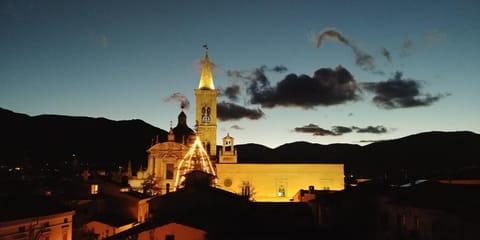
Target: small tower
[228,154]
[206,109]
[171,136]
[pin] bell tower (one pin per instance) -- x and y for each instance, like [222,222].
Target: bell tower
[228,154]
[206,109]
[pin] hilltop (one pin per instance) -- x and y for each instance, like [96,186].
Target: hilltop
[104,143]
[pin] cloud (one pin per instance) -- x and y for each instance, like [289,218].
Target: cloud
[386,54]
[178,97]
[236,74]
[236,127]
[371,129]
[258,73]
[339,130]
[232,92]
[230,111]
[279,69]
[315,130]
[362,58]
[399,93]
[326,87]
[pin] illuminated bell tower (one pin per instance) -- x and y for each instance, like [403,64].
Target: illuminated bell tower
[206,109]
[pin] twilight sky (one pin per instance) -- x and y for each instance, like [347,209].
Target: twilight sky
[318,71]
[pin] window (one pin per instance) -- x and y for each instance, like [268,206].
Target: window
[281,191]
[170,237]
[65,220]
[228,146]
[169,171]
[21,229]
[94,189]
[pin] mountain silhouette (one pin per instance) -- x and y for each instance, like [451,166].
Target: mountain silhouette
[103,143]
[55,139]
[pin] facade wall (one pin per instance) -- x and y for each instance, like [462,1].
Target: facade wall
[57,226]
[104,230]
[279,182]
[160,156]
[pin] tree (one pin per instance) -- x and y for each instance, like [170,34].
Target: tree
[150,186]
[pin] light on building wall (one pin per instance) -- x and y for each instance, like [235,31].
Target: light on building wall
[195,159]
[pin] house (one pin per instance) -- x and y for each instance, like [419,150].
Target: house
[30,218]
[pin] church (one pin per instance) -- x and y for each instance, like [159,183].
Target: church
[187,150]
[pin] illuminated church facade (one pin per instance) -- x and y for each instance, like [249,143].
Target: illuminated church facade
[187,150]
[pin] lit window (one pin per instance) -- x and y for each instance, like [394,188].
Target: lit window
[94,189]
[281,191]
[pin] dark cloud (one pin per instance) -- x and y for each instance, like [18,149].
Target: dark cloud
[178,97]
[386,54]
[279,69]
[315,130]
[232,92]
[230,111]
[362,58]
[333,34]
[236,74]
[339,130]
[257,74]
[326,87]
[371,129]
[399,93]
[236,127]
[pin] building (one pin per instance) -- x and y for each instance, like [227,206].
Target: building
[431,210]
[35,218]
[260,181]
[200,211]
[102,208]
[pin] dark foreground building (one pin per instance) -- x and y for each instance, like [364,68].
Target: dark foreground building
[199,211]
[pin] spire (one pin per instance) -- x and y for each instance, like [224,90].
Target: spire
[206,79]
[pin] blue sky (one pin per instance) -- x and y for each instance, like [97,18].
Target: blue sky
[388,68]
